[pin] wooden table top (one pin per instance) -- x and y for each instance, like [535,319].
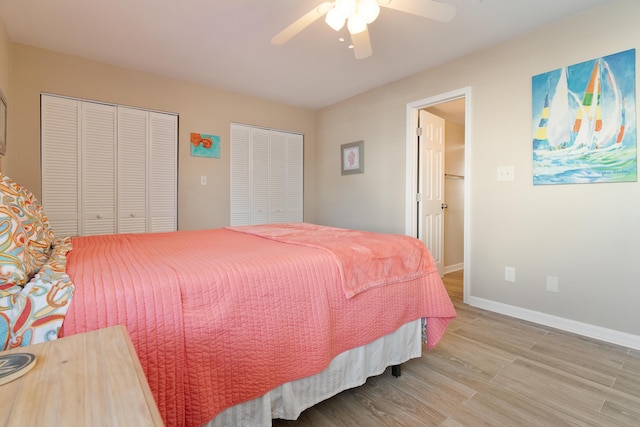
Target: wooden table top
[91,379]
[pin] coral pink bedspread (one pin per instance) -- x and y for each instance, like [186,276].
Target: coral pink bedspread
[365,259]
[219,317]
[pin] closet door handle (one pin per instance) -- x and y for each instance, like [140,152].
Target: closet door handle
[444,206]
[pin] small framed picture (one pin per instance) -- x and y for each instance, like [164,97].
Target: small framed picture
[204,145]
[352,158]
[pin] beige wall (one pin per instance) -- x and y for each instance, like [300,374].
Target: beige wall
[5,59]
[5,68]
[586,235]
[375,199]
[201,109]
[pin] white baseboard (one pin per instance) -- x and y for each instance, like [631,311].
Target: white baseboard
[455,267]
[603,334]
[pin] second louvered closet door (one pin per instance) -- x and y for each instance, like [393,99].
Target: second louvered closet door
[132,170]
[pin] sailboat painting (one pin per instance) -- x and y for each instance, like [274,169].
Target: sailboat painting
[584,122]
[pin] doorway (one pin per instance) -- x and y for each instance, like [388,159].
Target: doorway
[454,107]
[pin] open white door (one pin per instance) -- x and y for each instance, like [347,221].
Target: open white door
[431,171]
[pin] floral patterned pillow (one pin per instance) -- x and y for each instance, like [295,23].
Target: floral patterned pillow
[37,226]
[25,235]
[13,249]
[34,313]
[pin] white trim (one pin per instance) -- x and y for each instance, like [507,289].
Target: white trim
[580,328]
[267,128]
[412,171]
[454,267]
[93,101]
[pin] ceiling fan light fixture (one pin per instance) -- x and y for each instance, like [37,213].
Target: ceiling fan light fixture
[368,10]
[334,19]
[358,14]
[345,8]
[356,24]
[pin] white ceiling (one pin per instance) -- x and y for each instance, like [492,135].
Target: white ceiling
[226,43]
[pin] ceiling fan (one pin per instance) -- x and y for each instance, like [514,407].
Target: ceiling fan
[358,14]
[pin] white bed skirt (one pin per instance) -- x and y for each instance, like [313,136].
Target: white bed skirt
[349,369]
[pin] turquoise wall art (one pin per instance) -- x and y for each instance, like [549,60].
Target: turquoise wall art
[584,122]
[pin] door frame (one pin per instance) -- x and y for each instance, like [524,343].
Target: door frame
[412,175]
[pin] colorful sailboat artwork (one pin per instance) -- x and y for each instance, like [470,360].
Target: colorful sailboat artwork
[584,122]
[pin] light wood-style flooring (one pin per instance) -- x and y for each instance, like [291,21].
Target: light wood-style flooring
[493,370]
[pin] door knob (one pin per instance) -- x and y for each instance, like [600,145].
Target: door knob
[444,206]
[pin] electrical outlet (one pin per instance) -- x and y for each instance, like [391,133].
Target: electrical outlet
[510,274]
[203,180]
[552,284]
[505,173]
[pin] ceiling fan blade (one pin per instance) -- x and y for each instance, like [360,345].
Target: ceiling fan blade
[300,24]
[361,44]
[431,9]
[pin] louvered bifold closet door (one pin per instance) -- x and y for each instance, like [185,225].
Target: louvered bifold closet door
[277,177]
[163,185]
[294,178]
[98,156]
[132,170]
[259,176]
[266,176]
[240,177]
[60,128]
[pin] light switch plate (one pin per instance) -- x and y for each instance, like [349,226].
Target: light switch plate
[552,284]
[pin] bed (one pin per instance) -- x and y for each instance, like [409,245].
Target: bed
[233,326]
